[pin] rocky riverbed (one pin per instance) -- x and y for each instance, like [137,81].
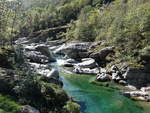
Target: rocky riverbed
[81,59]
[85,61]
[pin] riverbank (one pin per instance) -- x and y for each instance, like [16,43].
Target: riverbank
[28,85]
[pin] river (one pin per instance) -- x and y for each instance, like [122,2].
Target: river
[97,99]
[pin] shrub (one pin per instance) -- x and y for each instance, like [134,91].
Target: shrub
[72,107]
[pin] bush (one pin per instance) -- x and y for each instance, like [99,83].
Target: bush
[40,94]
[72,107]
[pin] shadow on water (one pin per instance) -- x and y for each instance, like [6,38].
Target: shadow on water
[83,106]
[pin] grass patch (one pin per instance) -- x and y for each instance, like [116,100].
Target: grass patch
[8,105]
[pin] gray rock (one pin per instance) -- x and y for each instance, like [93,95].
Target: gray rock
[53,74]
[36,57]
[136,93]
[74,50]
[145,88]
[29,109]
[87,63]
[93,45]
[80,70]
[45,51]
[122,82]
[55,43]
[103,53]
[42,69]
[137,77]
[21,40]
[131,87]
[103,77]
[116,76]
[71,61]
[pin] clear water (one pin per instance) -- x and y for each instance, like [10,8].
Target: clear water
[98,99]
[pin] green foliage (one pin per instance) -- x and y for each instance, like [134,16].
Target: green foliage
[124,24]
[72,107]
[46,96]
[85,27]
[9,18]
[8,105]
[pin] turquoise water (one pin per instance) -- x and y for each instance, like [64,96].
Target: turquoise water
[99,99]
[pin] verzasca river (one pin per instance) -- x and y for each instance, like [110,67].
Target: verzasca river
[98,99]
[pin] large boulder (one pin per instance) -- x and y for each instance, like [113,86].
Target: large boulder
[29,109]
[45,51]
[145,54]
[37,57]
[34,52]
[22,40]
[103,53]
[41,69]
[145,58]
[80,70]
[72,61]
[53,74]
[74,50]
[87,63]
[137,77]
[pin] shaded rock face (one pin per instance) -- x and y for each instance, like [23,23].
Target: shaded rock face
[4,61]
[78,55]
[137,77]
[53,74]
[6,57]
[102,54]
[35,56]
[28,109]
[38,53]
[45,51]
[7,80]
[74,50]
